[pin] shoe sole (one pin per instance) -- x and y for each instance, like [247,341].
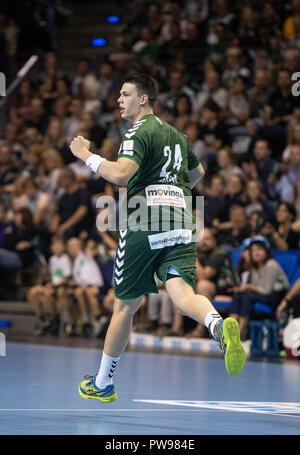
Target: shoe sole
[235,355]
[103,399]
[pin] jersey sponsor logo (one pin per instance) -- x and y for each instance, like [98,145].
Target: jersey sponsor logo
[127,147]
[170,238]
[165,195]
[256,407]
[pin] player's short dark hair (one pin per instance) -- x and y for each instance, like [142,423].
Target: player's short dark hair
[145,84]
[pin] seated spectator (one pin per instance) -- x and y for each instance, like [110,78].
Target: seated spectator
[37,117]
[235,66]
[31,159]
[211,90]
[285,187]
[284,237]
[177,87]
[182,112]
[234,191]
[72,123]
[196,12]
[83,73]
[17,251]
[196,144]
[91,96]
[222,12]
[290,24]
[8,169]
[215,205]
[55,136]
[167,49]
[232,233]
[248,29]
[88,281]
[49,299]
[73,207]
[279,111]
[292,139]
[223,41]
[50,167]
[63,91]
[106,78]
[6,225]
[257,98]
[238,105]
[212,130]
[227,164]
[256,199]
[290,304]
[266,283]
[213,275]
[93,131]
[296,202]
[262,166]
[269,27]
[40,203]
[193,47]
[12,139]
[21,103]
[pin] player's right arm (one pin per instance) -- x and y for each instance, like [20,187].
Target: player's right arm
[118,172]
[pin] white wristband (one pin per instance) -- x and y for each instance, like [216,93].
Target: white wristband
[94,161]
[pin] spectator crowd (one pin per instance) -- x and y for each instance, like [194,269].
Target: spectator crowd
[225,79]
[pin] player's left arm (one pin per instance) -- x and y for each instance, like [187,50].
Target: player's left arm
[118,172]
[196,175]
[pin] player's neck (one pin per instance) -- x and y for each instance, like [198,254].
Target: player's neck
[141,114]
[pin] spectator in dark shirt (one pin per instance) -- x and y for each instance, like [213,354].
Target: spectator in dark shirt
[38,118]
[8,170]
[212,130]
[215,206]
[279,111]
[237,229]
[74,207]
[262,166]
[17,250]
[6,227]
[284,237]
[234,192]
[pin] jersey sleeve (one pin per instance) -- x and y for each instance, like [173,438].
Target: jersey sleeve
[133,147]
[193,161]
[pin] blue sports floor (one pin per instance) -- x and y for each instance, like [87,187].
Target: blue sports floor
[195,395]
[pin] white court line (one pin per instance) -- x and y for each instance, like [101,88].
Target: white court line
[101,410]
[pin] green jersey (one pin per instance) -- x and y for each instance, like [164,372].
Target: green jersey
[165,159]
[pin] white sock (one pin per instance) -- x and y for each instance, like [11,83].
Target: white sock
[211,319]
[106,371]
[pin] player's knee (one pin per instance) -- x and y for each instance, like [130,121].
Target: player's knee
[127,307]
[206,288]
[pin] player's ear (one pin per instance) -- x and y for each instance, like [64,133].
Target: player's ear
[144,99]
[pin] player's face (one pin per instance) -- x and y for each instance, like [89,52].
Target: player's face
[129,102]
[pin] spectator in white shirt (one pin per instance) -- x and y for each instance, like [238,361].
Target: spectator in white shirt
[50,299]
[88,281]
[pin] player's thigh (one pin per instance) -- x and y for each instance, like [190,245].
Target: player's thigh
[179,291]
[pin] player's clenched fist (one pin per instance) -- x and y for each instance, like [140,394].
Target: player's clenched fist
[79,146]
